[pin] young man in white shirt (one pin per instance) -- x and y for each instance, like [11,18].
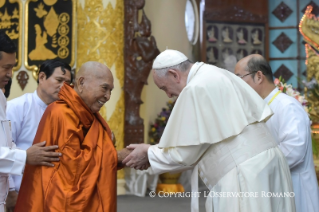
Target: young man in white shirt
[25,112]
[12,160]
[290,126]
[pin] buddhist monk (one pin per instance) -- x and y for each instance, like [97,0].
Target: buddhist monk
[85,177]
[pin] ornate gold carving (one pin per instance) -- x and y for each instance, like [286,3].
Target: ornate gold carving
[103,112]
[50,25]
[41,52]
[63,29]
[2,2]
[64,18]
[309,28]
[40,11]
[312,63]
[50,2]
[51,22]
[100,38]
[116,123]
[63,41]
[63,52]
[11,22]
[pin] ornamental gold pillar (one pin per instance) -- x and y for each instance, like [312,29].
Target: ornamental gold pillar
[100,37]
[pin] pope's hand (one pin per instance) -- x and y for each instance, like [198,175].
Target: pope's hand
[39,154]
[138,158]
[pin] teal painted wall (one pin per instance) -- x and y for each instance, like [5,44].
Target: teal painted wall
[294,56]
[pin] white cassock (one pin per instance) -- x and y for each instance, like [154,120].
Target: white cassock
[218,127]
[25,113]
[290,126]
[12,161]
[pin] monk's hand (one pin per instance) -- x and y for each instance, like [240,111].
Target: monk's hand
[138,158]
[39,154]
[122,154]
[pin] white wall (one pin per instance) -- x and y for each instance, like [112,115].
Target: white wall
[168,27]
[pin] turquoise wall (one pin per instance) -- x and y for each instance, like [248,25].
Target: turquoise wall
[293,58]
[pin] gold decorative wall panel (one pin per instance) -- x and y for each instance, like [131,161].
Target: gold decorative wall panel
[49,32]
[308,27]
[11,23]
[100,37]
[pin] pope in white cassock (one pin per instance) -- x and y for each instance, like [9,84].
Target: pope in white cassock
[13,160]
[290,126]
[217,128]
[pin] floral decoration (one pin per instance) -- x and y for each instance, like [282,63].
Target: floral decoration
[293,92]
[312,92]
[158,127]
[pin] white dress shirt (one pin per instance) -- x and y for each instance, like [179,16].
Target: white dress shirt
[290,126]
[12,161]
[25,113]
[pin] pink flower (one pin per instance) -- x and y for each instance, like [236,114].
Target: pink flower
[281,88]
[276,81]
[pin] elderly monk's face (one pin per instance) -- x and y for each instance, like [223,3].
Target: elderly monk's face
[167,83]
[97,90]
[51,86]
[7,63]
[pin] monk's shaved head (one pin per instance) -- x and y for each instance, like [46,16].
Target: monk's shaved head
[94,83]
[92,70]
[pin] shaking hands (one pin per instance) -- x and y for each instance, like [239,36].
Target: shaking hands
[137,158]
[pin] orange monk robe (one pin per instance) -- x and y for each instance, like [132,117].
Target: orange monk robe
[85,177]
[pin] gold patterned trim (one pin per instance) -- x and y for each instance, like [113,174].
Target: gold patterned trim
[309,28]
[100,37]
[18,66]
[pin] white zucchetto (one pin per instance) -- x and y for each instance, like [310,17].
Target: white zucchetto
[168,58]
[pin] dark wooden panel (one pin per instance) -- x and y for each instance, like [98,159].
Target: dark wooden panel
[247,11]
[244,12]
[139,52]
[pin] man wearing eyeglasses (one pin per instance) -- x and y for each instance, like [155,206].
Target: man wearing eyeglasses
[290,126]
